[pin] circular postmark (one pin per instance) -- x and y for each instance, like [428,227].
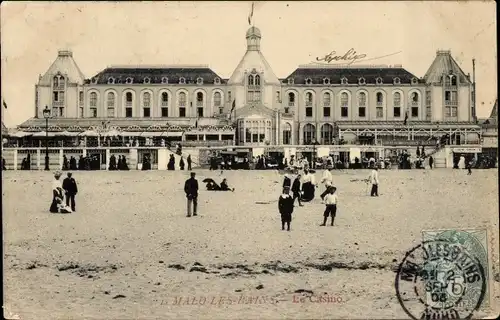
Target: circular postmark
[440,279]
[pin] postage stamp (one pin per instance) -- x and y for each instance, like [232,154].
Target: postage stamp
[441,279]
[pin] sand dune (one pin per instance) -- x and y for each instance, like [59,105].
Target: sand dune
[130,252]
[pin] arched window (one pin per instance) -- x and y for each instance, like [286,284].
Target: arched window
[380,98]
[217,99]
[62,81]
[344,105]
[326,133]
[129,98]
[257,80]
[182,104]
[309,133]
[199,103]
[146,99]
[93,100]
[164,99]
[362,99]
[414,104]
[55,82]
[291,99]
[250,80]
[309,99]
[111,104]
[327,99]
[453,80]
[414,97]
[111,80]
[164,80]
[397,104]
[287,133]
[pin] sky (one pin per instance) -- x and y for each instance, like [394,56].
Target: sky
[213,33]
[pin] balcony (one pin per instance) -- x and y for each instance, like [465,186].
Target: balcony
[199,103]
[58,104]
[380,103]
[309,103]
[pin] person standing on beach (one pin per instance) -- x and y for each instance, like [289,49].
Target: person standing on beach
[296,189]
[327,179]
[191,190]
[71,189]
[285,206]
[189,162]
[469,167]
[374,181]
[287,182]
[431,161]
[331,206]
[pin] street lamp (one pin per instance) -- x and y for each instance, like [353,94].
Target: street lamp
[313,164]
[46,115]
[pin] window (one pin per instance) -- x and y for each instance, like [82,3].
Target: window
[93,100]
[397,80]
[199,99]
[309,99]
[146,100]
[397,104]
[111,80]
[80,97]
[428,105]
[414,81]
[308,81]
[164,80]
[217,99]
[81,112]
[380,112]
[309,111]
[414,112]
[326,134]
[251,80]
[380,98]
[414,98]
[129,80]
[362,81]
[257,80]
[291,99]
[343,80]
[164,99]
[278,96]
[147,112]
[221,110]
[379,80]
[147,80]
[327,99]
[164,112]
[93,112]
[287,134]
[453,80]
[110,104]
[182,112]
[326,81]
[62,82]
[200,112]
[217,81]
[229,98]
[326,112]
[55,96]
[344,103]
[128,99]
[128,112]
[182,80]
[182,99]
[199,81]
[291,81]
[362,99]
[362,112]
[55,82]
[309,133]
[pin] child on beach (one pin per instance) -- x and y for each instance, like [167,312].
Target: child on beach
[331,205]
[285,206]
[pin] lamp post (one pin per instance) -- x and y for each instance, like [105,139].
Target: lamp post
[313,164]
[46,115]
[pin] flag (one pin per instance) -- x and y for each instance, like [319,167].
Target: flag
[234,105]
[406,117]
[251,15]
[4,104]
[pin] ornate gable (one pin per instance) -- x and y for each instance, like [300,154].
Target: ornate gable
[259,111]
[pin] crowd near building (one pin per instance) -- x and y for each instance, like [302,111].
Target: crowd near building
[318,110]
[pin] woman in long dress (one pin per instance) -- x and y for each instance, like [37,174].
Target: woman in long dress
[57,205]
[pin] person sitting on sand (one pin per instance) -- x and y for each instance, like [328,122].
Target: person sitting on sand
[224,186]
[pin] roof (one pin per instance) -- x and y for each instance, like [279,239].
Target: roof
[4,129]
[65,65]
[494,110]
[172,74]
[444,64]
[317,73]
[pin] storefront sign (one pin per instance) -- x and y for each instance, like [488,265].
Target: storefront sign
[467,150]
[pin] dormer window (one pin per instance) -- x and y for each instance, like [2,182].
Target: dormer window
[343,80]
[164,80]
[326,81]
[308,81]
[379,80]
[147,80]
[414,80]
[94,80]
[111,80]
[182,80]
[129,80]
[119,81]
[199,81]
[216,81]
[397,80]
[291,81]
[362,81]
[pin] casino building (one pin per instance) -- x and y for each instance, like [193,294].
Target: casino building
[315,106]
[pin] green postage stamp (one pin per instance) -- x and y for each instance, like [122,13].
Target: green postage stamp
[475,241]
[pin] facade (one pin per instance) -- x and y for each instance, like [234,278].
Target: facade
[314,104]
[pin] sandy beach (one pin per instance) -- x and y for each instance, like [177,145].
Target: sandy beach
[130,251]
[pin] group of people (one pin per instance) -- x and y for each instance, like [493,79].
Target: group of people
[66,190]
[182,164]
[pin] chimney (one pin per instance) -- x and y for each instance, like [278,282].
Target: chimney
[65,53]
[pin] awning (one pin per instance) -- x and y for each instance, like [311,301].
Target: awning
[172,134]
[42,134]
[151,134]
[20,134]
[66,134]
[131,134]
[112,133]
[89,133]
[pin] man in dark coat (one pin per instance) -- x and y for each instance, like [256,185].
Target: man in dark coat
[70,188]
[296,189]
[285,207]
[191,190]
[189,162]
[431,161]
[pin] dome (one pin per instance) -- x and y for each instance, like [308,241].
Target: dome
[254,31]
